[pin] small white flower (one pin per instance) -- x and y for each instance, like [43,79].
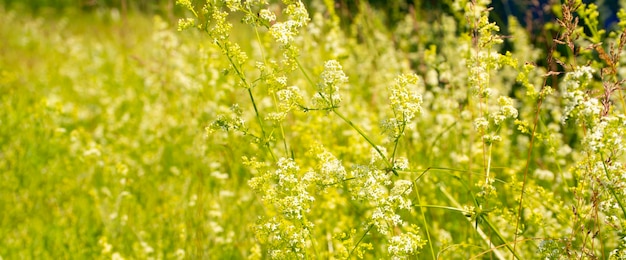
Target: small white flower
[267,15]
[481,124]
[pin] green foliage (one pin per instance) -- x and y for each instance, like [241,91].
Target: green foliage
[147,6]
[269,130]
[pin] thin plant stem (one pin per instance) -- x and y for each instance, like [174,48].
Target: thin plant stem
[361,239]
[282,129]
[306,75]
[265,141]
[396,141]
[280,124]
[619,202]
[493,228]
[480,232]
[441,207]
[258,117]
[423,172]
[487,171]
[313,241]
[529,153]
[430,241]
[528,159]
[355,127]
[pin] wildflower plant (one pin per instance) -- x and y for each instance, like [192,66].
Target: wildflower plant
[292,210]
[384,183]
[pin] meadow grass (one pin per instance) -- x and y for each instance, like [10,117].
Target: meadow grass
[103,147]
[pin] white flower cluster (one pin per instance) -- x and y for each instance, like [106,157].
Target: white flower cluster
[267,15]
[478,77]
[328,88]
[481,124]
[579,104]
[285,189]
[543,174]
[401,163]
[285,32]
[286,240]
[330,169]
[376,187]
[405,102]
[507,110]
[398,196]
[293,197]
[607,135]
[480,64]
[221,27]
[289,98]
[297,13]
[228,119]
[491,131]
[406,244]
[371,187]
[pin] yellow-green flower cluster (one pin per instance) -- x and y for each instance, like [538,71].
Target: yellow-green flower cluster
[289,98]
[405,102]
[331,79]
[285,239]
[387,197]
[507,110]
[329,170]
[185,23]
[285,32]
[285,190]
[406,244]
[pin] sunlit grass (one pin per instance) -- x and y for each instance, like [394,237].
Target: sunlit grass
[102,143]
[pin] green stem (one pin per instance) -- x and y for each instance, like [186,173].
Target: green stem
[423,172]
[249,88]
[396,141]
[430,241]
[527,166]
[258,38]
[488,163]
[345,119]
[265,141]
[282,129]
[508,245]
[441,207]
[306,75]
[606,171]
[313,241]
[355,127]
[361,239]
[477,228]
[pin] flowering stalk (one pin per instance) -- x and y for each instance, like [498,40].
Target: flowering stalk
[328,99]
